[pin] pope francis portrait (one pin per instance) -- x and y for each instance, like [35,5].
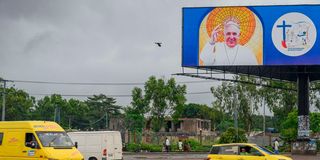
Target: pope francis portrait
[229,52]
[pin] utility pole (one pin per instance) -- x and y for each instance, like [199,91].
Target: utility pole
[70,122]
[57,115]
[235,109]
[264,120]
[107,122]
[3,117]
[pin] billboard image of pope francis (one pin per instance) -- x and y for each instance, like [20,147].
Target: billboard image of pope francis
[231,39]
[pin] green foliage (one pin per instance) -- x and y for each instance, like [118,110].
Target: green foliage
[193,110]
[280,97]
[315,122]
[134,120]
[132,147]
[151,147]
[258,122]
[19,105]
[99,106]
[47,106]
[289,131]
[230,136]
[232,98]
[164,96]
[73,111]
[280,101]
[314,94]
[134,115]
[77,112]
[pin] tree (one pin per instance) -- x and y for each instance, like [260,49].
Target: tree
[134,114]
[49,107]
[176,98]
[164,97]
[99,106]
[238,100]
[19,105]
[315,122]
[77,113]
[281,99]
[202,111]
[246,98]
[230,136]
[289,127]
[314,94]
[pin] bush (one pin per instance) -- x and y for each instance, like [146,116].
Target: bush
[197,147]
[131,147]
[151,147]
[230,136]
[194,145]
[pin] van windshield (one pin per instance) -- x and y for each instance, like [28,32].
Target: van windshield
[55,139]
[265,149]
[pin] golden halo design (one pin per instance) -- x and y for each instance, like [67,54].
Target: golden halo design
[241,15]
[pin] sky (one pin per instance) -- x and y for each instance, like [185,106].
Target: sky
[99,41]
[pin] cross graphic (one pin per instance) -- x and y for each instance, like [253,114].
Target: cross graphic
[283,26]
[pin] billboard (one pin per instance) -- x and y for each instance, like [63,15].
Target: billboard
[250,36]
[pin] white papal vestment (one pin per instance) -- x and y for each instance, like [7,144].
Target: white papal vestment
[221,54]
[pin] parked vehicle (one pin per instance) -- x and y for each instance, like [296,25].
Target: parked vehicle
[35,140]
[98,145]
[244,151]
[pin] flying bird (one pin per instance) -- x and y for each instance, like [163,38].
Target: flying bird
[158,43]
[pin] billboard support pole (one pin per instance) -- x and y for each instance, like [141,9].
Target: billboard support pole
[303,145]
[303,106]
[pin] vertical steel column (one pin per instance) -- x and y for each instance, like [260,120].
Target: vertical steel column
[3,116]
[303,106]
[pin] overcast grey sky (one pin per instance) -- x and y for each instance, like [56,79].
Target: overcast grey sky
[98,41]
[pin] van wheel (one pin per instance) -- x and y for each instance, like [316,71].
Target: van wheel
[92,158]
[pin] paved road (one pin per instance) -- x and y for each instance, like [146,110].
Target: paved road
[190,156]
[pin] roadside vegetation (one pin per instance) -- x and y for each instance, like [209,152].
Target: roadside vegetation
[160,98]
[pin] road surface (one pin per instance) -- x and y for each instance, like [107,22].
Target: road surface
[191,156]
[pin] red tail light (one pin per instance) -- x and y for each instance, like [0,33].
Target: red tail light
[104,152]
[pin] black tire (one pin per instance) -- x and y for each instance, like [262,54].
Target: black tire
[92,158]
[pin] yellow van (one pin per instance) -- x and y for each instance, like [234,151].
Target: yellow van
[35,140]
[242,151]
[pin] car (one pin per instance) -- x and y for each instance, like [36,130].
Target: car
[242,151]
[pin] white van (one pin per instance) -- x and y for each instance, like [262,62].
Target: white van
[98,145]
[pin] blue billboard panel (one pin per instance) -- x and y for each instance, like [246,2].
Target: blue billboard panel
[260,35]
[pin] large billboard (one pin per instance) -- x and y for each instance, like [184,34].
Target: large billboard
[250,36]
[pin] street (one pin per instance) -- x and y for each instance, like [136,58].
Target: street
[191,156]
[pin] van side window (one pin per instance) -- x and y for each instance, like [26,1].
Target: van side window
[250,151]
[214,150]
[29,138]
[1,137]
[229,150]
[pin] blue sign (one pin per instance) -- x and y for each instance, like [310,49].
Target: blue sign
[251,36]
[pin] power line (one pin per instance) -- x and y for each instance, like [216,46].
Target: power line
[76,95]
[97,83]
[89,95]
[89,124]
